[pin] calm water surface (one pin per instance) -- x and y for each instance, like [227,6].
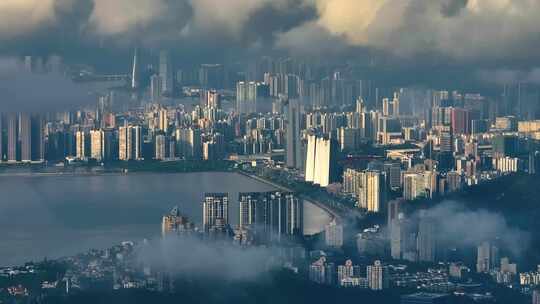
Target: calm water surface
[57,215]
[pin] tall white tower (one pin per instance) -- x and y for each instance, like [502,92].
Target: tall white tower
[135,71]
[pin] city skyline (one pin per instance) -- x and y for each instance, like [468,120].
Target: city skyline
[310,151]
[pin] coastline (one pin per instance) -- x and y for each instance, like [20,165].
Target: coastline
[333,215]
[172,167]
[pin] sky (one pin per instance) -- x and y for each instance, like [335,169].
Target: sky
[499,36]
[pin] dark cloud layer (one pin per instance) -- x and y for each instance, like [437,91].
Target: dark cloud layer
[408,35]
[462,29]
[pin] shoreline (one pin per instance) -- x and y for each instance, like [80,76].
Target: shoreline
[89,171]
[333,215]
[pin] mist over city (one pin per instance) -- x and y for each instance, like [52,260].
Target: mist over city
[269,151]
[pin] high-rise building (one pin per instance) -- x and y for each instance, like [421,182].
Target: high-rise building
[368,186]
[287,215]
[163,120]
[97,144]
[454,181]
[321,161]
[461,121]
[414,186]
[25,137]
[82,145]
[393,175]
[373,191]
[389,130]
[349,138]
[293,149]
[212,76]
[37,138]
[248,95]
[377,276]
[166,73]
[426,239]
[505,145]
[391,107]
[1,137]
[395,207]
[130,143]
[213,99]
[215,207]
[135,73]
[318,271]
[487,258]
[160,147]
[175,223]
[275,216]
[360,105]
[156,86]
[333,234]
[403,243]
[252,207]
[536,296]
[345,271]
[189,143]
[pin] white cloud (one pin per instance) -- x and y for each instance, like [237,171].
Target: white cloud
[18,17]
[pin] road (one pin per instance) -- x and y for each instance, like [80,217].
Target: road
[334,214]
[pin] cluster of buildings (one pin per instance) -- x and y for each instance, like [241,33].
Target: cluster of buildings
[374,277]
[325,127]
[264,218]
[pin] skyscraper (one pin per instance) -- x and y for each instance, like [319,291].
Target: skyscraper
[348,138]
[345,271]
[37,138]
[213,99]
[25,137]
[97,144]
[377,277]
[215,207]
[333,234]
[81,140]
[274,216]
[395,207]
[175,223]
[163,120]
[487,258]
[135,70]
[373,192]
[160,147]
[411,186]
[212,76]
[156,86]
[251,208]
[368,186]
[189,142]
[426,239]
[293,149]
[460,121]
[403,245]
[536,296]
[321,161]
[166,73]
[286,215]
[130,142]
[248,94]
[1,138]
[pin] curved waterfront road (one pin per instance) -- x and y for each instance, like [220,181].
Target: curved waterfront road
[334,214]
